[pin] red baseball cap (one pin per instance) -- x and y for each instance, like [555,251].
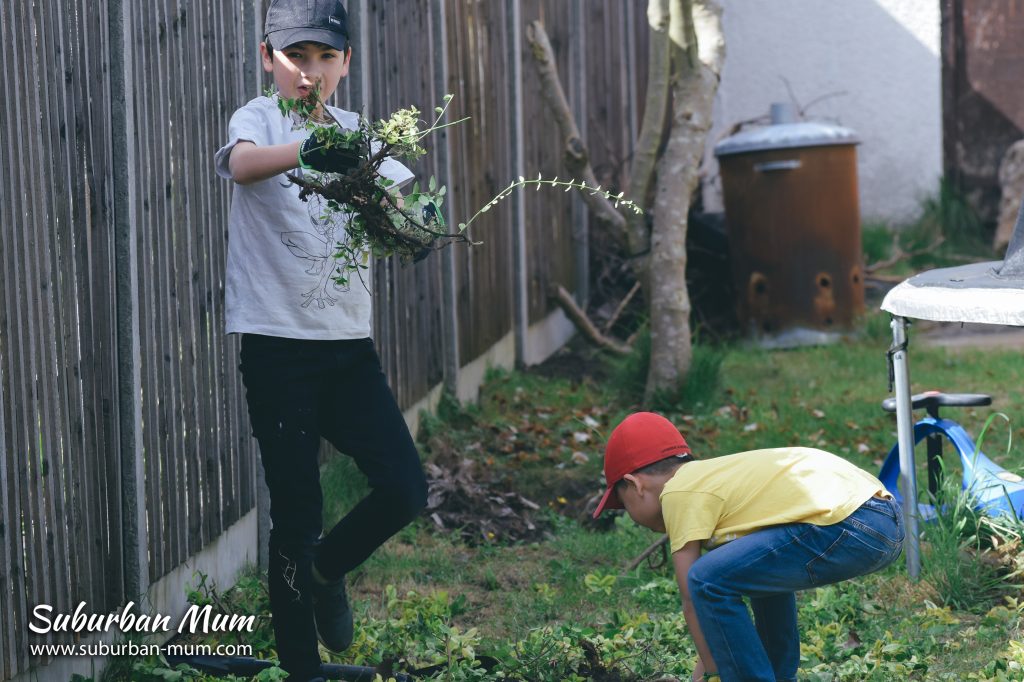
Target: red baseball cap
[642,438]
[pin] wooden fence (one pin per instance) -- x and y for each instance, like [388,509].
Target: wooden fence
[124,445]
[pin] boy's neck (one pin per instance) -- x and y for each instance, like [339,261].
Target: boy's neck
[657,484]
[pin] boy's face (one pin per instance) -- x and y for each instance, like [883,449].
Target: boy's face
[641,498]
[298,68]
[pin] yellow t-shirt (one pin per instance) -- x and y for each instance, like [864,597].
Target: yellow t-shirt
[721,499]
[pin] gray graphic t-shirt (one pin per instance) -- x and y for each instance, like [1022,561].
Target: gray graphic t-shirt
[280,266]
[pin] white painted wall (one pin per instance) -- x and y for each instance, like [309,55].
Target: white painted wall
[881,55]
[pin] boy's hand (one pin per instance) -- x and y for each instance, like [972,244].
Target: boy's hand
[313,155]
[683,559]
[698,671]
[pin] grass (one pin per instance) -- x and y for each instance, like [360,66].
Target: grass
[541,433]
[827,397]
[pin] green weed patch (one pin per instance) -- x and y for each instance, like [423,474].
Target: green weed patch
[561,605]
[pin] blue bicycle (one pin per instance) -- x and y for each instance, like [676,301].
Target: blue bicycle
[995,490]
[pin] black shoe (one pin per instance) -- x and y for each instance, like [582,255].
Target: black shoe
[333,615]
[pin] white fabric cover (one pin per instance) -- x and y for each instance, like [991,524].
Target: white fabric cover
[987,305]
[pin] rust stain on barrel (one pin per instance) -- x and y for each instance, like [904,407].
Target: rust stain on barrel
[794,233]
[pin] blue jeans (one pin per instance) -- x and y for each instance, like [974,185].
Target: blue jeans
[768,567]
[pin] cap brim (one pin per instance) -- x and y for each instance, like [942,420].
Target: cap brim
[609,501]
[287,37]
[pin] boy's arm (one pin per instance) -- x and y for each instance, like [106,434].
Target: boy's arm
[250,163]
[682,560]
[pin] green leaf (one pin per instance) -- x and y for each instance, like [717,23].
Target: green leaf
[432,184]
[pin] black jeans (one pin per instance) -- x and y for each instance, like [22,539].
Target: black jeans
[299,391]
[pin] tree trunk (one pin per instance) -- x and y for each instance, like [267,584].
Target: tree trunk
[697,52]
[652,132]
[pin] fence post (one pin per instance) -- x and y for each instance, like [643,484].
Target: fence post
[629,77]
[521,298]
[252,35]
[449,302]
[578,103]
[129,360]
[359,75]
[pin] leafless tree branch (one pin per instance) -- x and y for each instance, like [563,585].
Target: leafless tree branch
[579,318]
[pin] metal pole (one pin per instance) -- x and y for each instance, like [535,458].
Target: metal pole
[905,438]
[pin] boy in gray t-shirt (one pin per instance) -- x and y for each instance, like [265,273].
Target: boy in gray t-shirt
[309,366]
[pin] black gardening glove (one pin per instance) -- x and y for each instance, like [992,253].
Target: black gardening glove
[431,214]
[314,156]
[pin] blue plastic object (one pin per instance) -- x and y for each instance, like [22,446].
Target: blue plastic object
[996,491]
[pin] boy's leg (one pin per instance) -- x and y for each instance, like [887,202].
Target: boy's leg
[280,379]
[363,421]
[775,620]
[777,560]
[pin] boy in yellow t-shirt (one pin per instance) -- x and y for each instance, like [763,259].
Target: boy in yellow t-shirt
[778,521]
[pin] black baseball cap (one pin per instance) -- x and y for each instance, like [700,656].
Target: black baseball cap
[297,21]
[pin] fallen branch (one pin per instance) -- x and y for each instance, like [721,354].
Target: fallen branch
[579,318]
[646,553]
[884,279]
[899,255]
[622,306]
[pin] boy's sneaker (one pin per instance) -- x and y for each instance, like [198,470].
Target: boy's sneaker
[332,614]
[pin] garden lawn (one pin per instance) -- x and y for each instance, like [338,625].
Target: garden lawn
[433,595]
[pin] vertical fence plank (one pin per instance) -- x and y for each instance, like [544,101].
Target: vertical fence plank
[24,352]
[193,494]
[52,423]
[8,567]
[220,469]
[39,445]
[74,514]
[189,192]
[13,652]
[8,579]
[148,224]
[443,153]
